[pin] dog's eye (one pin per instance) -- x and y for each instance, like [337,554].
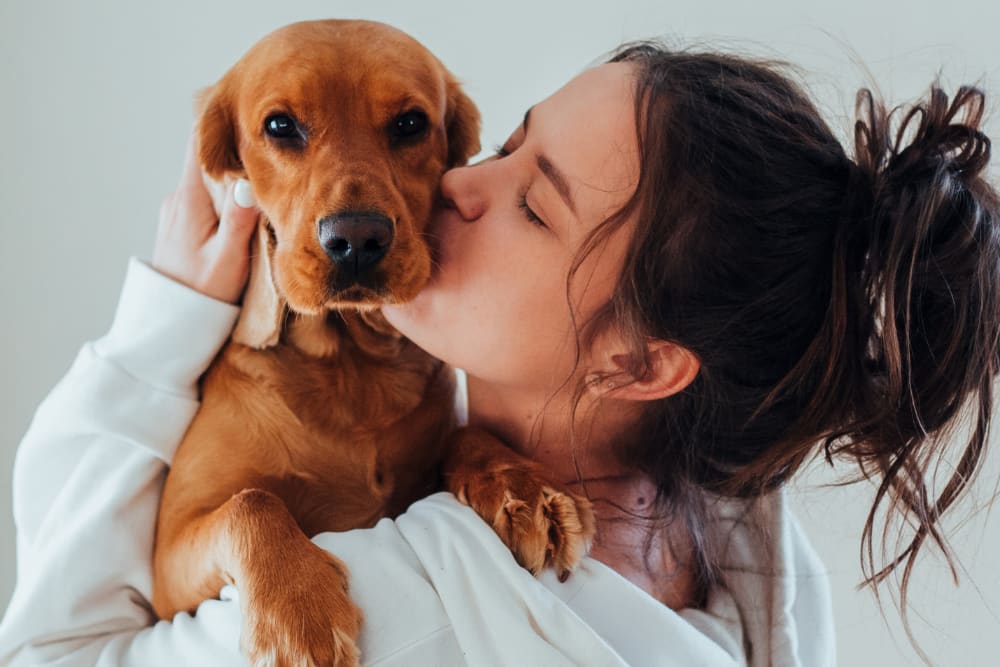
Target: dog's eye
[281,126]
[409,125]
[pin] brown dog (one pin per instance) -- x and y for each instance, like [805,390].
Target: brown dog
[318,415]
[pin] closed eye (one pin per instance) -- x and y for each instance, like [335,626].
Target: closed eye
[522,203]
[522,199]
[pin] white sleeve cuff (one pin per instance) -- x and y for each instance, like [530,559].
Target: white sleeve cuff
[165,333]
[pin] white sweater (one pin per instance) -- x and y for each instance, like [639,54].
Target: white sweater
[437,587]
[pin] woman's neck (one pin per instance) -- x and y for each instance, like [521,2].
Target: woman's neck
[539,425]
[652,555]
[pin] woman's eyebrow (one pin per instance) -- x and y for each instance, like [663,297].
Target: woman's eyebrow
[553,173]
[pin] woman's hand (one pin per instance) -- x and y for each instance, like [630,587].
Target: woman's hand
[198,247]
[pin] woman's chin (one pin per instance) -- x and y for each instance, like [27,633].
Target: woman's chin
[407,317]
[415,320]
[396,313]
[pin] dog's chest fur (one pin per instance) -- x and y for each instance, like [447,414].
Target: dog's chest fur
[345,418]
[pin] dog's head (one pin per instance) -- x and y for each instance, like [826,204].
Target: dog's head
[343,129]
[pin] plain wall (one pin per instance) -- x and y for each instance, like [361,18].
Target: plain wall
[95,105]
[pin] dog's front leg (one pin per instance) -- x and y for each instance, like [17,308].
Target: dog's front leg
[539,519]
[293,595]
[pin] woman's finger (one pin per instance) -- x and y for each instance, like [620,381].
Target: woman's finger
[228,251]
[238,220]
[243,194]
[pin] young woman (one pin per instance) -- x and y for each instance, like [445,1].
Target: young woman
[671,286]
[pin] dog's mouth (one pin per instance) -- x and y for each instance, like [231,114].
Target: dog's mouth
[355,296]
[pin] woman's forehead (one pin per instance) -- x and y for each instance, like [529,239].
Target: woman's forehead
[587,129]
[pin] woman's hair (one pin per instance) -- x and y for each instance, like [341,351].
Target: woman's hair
[848,304]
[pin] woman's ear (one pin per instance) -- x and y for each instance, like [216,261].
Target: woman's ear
[671,369]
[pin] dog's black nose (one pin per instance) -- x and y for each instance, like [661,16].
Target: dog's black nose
[355,241]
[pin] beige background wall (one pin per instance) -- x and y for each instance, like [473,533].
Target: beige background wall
[95,103]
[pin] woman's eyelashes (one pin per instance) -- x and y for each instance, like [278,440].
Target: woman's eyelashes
[522,199]
[522,203]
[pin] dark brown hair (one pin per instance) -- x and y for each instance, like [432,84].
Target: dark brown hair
[848,306]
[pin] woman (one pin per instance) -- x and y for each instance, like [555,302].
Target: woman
[670,287]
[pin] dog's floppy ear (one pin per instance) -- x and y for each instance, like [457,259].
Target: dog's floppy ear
[259,325]
[217,141]
[263,311]
[462,125]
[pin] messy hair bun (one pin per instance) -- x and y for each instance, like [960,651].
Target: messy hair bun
[850,305]
[917,276]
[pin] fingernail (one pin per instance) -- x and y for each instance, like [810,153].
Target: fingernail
[243,194]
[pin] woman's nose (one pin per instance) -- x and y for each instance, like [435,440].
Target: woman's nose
[462,190]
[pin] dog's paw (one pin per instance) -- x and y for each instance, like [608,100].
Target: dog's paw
[301,616]
[540,521]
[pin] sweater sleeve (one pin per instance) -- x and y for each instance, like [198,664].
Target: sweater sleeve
[87,482]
